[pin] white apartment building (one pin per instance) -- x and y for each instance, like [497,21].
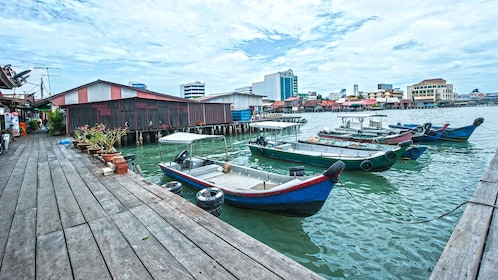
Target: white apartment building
[192,90]
[278,86]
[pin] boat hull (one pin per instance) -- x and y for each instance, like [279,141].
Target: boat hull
[362,138]
[456,134]
[377,162]
[412,152]
[302,200]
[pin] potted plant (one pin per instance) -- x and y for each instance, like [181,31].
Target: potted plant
[55,119]
[96,138]
[109,139]
[82,133]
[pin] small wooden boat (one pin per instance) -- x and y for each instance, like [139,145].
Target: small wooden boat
[392,139]
[413,152]
[432,134]
[247,187]
[372,124]
[362,160]
[458,133]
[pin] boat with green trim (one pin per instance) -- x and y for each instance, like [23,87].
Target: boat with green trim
[354,159]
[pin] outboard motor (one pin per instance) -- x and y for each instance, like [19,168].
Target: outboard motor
[129,159]
[296,171]
[262,141]
[180,158]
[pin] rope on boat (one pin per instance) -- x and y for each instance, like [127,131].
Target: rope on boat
[413,222]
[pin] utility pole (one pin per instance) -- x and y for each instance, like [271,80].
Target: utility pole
[48,77]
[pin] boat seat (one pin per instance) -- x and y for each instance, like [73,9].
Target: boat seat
[204,169]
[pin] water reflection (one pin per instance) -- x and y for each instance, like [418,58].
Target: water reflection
[343,240]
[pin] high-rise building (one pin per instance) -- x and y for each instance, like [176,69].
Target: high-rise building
[192,90]
[431,90]
[278,86]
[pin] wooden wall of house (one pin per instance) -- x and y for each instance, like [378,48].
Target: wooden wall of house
[143,114]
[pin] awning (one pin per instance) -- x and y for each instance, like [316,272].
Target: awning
[186,138]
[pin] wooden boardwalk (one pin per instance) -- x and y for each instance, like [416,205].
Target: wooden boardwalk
[472,250]
[60,218]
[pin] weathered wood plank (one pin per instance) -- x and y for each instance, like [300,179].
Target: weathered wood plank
[48,214]
[6,169]
[158,261]
[462,255]
[86,259]
[69,210]
[42,153]
[52,259]
[282,266]
[9,198]
[52,144]
[197,262]
[121,193]
[144,195]
[489,267]
[27,197]
[231,258]
[121,260]
[66,149]
[89,206]
[19,259]
[105,198]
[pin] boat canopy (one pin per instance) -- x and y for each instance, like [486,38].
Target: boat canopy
[273,125]
[361,115]
[186,138]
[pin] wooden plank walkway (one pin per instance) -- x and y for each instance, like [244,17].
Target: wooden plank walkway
[472,250]
[60,218]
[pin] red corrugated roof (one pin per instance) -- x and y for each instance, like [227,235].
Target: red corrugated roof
[277,104]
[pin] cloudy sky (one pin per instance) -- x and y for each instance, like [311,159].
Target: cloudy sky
[329,44]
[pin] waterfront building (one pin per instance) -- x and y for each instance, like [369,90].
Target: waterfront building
[192,90]
[237,100]
[431,91]
[118,105]
[278,86]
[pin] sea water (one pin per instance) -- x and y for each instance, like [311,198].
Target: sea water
[374,225]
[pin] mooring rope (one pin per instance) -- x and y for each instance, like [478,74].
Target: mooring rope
[413,222]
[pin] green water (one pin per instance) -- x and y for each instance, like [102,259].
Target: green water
[344,240]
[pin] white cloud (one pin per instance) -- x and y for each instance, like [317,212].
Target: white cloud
[330,44]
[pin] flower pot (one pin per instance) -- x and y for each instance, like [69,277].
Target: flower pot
[93,150]
[83,146]
[108,157]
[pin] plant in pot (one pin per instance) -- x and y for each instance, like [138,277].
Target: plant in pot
[109,139]
[82,132]
[96,138]
[55,122]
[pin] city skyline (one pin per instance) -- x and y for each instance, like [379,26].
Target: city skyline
[330,45]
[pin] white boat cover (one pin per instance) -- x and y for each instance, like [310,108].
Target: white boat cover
[362,115]
[273,125]
[186,138]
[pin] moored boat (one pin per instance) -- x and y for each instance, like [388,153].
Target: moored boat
[354,159]
[372,124]
[413,152]
[432,134]
[458,133]
[249,188]
[391,139]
